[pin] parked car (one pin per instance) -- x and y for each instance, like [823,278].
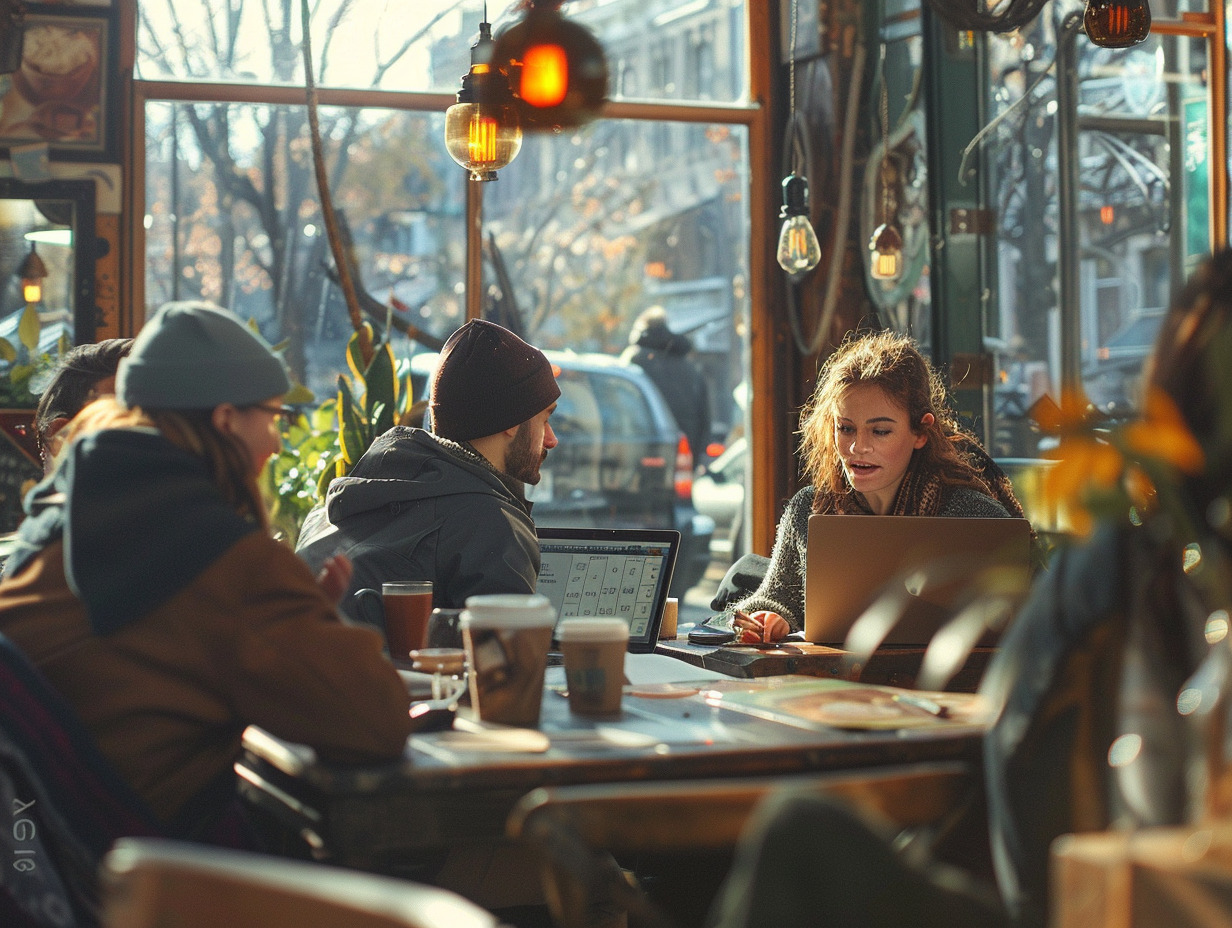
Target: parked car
[622,461]
[719,494]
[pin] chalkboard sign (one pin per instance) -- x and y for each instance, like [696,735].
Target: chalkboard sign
[19,464]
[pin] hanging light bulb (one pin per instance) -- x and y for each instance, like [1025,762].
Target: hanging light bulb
[886,246]
[1117,23]
[32,271]
[799,251]
[557,68]
[482,130]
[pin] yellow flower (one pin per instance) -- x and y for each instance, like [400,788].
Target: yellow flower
[1104,471]
[1162,435]
[1140,489]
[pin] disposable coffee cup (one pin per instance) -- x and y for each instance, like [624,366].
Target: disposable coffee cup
[671,612]
[507,638]
[594,651]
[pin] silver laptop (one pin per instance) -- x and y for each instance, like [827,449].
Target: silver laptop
[854,559]
[597,572]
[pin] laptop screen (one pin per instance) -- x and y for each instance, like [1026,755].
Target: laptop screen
[623,573]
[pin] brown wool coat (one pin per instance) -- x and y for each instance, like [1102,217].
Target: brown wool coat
[252,640]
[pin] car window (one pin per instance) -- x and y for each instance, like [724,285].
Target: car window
[626,415]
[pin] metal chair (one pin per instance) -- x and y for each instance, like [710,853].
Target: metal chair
[153,882]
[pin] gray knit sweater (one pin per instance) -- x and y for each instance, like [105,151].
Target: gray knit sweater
[782,590]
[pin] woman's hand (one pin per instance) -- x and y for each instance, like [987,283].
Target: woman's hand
[755,627]
[334,578]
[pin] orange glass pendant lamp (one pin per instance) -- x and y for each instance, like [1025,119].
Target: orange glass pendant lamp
[482,130]
[557,69]
[1117,23]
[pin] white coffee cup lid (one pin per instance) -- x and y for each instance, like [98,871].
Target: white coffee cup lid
[597,629]
[505,609]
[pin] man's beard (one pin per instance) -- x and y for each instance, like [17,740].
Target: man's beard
[523,458]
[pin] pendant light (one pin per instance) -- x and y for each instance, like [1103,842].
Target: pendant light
[482,129]
[557,69]
[886,244]
[1117,23]
[31,272]
[799,251]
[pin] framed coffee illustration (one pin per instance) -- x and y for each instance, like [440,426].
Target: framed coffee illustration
[62,94]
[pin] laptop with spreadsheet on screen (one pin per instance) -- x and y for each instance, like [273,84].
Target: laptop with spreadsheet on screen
[609,572]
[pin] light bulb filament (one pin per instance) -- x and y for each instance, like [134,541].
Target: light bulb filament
[481,139]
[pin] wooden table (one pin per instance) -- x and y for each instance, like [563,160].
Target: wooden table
[380,817]
[889,666]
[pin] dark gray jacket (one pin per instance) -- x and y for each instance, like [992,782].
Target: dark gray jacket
[420,507]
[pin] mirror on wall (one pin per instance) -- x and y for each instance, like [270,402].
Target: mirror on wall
[47,227]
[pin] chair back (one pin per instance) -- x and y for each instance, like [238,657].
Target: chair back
[155,882]
[67,803]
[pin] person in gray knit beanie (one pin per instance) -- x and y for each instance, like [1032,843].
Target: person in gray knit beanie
[195,355]
[449,504]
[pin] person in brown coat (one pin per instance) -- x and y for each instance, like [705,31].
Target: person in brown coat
[148,590]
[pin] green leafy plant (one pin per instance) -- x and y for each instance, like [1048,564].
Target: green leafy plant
[21,365]
[325,442]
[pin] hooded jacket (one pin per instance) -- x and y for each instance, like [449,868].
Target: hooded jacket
[169,624]
[420,507]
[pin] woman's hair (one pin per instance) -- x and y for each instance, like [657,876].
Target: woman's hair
[1191,355]
[192,430]
[893,363]
[73,381]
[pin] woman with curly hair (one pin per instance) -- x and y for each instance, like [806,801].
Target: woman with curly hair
[877,438]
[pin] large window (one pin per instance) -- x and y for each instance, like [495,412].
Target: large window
[1098,171]
[581,233]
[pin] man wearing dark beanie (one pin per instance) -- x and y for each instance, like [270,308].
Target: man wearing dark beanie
[449,505]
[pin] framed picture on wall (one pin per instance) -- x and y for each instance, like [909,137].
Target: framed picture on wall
[63,93]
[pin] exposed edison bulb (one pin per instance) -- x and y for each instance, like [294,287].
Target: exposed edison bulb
[482,129]
[799,251]
[482,138]
[886,247]
[1117,23]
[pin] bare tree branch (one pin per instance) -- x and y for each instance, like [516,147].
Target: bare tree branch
[327,205]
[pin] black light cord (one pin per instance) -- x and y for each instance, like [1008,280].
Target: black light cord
[968,14]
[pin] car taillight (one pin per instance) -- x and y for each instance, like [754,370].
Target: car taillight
[684,470]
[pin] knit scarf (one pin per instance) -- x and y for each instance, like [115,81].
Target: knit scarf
[923,493]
